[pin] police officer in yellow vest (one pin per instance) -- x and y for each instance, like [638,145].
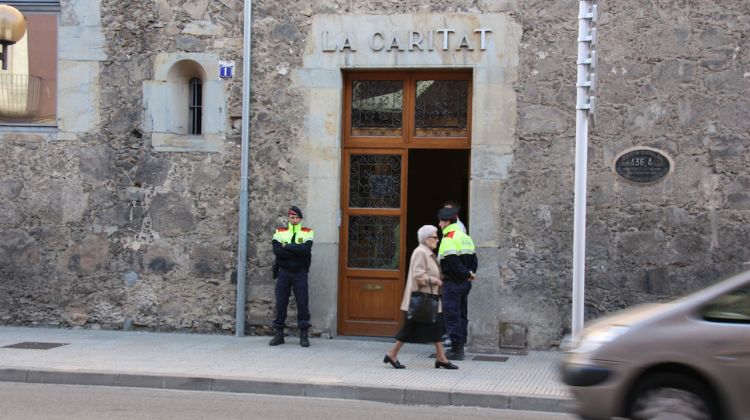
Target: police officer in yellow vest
[292,246]
[458,261]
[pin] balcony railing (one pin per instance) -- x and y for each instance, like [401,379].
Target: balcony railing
[19,95]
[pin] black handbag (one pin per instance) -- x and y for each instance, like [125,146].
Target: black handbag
[423,307]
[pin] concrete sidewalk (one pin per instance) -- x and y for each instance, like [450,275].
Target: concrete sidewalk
[331,368]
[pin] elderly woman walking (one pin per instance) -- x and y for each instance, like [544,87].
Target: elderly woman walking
[424,276]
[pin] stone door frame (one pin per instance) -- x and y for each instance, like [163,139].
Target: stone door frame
[320,82]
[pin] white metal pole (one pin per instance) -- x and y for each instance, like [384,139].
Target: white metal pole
[242,234]
[584,84]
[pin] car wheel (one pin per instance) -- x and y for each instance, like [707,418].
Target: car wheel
[672,396]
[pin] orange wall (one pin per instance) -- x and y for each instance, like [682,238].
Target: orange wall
[42,33]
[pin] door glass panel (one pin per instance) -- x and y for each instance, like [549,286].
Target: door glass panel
[377,107]
[375,181]
[374,242]
[442,108]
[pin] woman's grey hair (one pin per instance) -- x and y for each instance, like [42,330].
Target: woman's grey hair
[424,232]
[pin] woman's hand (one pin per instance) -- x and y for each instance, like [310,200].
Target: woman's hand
[437,282]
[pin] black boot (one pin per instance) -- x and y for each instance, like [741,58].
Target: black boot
[278,337]
[303,340]
[456,352]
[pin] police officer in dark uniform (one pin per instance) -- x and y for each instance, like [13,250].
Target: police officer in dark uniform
[458,262]
[292,246]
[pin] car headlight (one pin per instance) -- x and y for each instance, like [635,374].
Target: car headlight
[591,341]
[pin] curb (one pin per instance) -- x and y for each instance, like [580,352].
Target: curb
[393,395]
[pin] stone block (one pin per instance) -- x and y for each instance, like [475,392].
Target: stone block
[490,163]
[71,377]
[81,43]
[532,403]
[733,115]
[19,252]
[152,171]
[324,296]
[141,381]
[696,111]
[477,399]
[188,383]
[208,261]
[215,120]
[726,147]
[78,96]
[322,211]
[11,188]
[392,395]
[671,74]
[544,120]
[13,375]
[171,214]
[647,118]
[513,335]
[286,31]
[203,28]
[197,9]
[259,387]
[347,392]
[317,78]
[494,116]
[81,13]
[189,43]
[87,256]
[728,81]
[485,199]
[323,123]
[96,164]
[426,397]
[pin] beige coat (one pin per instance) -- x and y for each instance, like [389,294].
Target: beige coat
[424,264]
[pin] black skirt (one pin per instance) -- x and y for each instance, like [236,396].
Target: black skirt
[421,332]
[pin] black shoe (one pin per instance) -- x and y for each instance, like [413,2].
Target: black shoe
[456,352]
[395,363]
[278,338]
[444,365]
[303,340]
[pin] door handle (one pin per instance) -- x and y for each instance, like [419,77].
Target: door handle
[373,287]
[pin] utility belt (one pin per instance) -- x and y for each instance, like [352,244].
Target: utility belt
[276,269]
[287,270]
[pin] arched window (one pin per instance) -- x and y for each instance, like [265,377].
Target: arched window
[185,103]
[195,106]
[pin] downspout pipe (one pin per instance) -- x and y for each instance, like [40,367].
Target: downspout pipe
[585,85]
[244,169]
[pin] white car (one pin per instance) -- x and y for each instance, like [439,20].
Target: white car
[686,359]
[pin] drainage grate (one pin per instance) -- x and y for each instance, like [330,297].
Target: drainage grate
[486,358]
[34,345]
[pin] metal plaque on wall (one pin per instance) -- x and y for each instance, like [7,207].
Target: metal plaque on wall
[643,165]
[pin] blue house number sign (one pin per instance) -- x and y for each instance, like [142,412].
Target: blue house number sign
[226,69]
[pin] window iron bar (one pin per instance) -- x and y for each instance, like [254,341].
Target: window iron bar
[196,105]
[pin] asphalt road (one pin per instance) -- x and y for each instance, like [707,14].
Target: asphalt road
[21,401]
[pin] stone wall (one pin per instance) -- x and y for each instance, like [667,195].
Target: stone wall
[672,76]
[97,229]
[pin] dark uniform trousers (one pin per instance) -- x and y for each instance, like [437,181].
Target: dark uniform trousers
[286,283]
[456,309]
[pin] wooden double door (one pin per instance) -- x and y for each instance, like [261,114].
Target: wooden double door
[390,120]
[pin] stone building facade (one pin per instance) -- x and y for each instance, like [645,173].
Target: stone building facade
[117,217]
